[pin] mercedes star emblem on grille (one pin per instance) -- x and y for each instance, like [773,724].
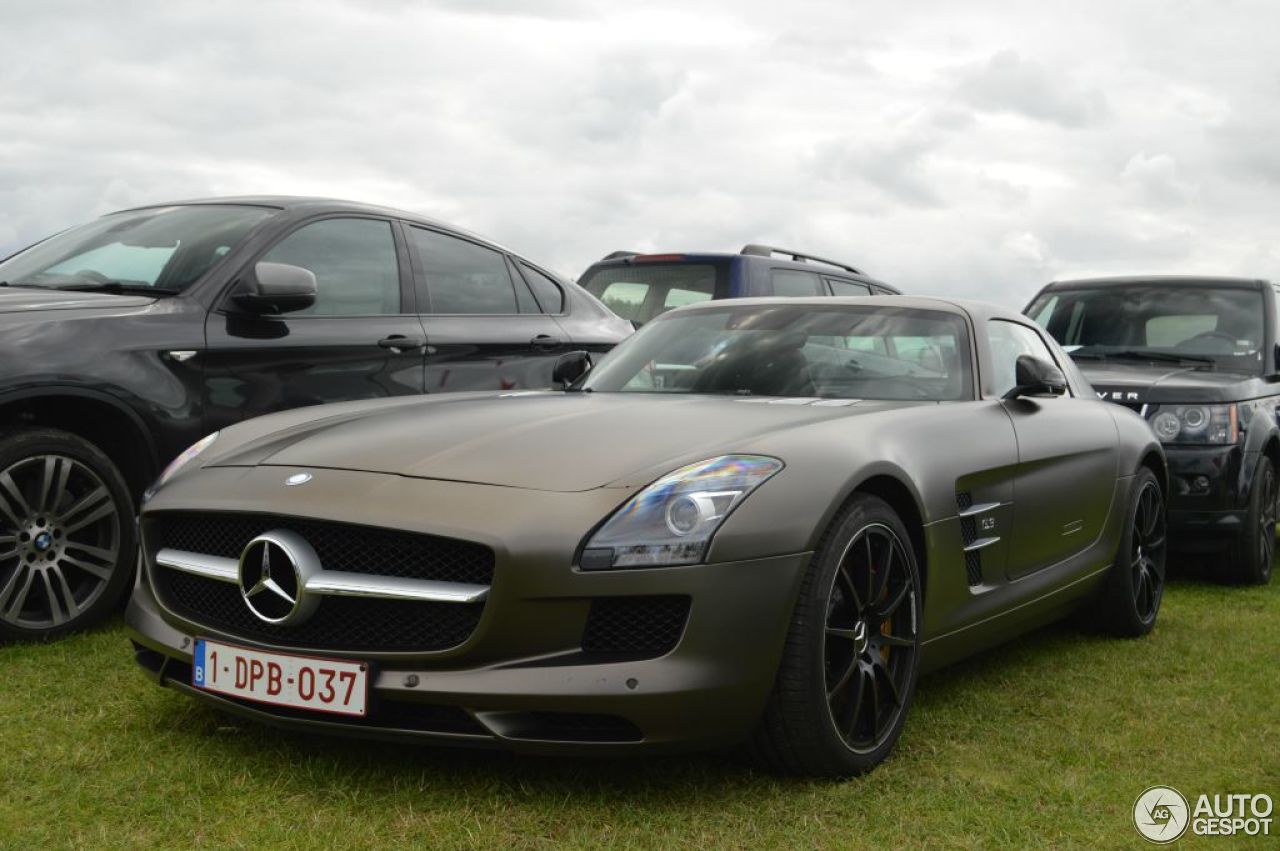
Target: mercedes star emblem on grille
[273,574]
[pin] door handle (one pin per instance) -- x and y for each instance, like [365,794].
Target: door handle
[546,343]
[398,343]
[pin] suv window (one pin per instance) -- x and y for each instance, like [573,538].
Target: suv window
[462,277]
[1008,341]
[354,261]
[847,288]
[643,291]
[794,283]
[547,291]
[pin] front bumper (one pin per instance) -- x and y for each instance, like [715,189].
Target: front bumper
[1208,498]
[524,679]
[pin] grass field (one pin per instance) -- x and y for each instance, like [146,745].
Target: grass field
[1046,742]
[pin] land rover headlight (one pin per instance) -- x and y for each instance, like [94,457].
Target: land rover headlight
[671,521]
[1204,424]
[184,458]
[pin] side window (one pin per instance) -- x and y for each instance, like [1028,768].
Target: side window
[462,277]
[1008,341]
[549,294]
[839,287]
[793,283]
[354,261]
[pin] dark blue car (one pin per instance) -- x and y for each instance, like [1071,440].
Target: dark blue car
[641,286]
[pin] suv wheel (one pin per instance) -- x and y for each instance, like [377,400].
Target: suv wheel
[67,540]
[1252,552]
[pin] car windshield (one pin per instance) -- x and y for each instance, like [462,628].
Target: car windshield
[166,249]
[643,291]
[1200,327]
[799,351]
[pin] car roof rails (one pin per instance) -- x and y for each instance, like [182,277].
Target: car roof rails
[614,255]
[769,251]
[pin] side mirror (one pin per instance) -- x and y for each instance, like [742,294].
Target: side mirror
[1036,377]
[570,367]
[276,288]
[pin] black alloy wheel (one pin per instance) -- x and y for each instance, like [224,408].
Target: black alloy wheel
[1129,600]
[1249,560]
[871,643]
[1147,543]
[848,671]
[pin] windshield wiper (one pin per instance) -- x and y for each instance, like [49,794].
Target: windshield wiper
[1163,357]
[117,287]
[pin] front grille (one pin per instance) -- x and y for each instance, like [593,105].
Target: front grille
[964,500]
[340,623]
[968,530]
[340,546]
[644,626]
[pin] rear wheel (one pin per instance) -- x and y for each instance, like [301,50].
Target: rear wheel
[1135,584]
[848,672]
[66,534]
[1251,555]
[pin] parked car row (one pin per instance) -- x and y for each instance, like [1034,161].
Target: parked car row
[749,522]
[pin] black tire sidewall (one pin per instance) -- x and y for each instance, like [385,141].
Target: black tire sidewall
[20,443]
[1119,604]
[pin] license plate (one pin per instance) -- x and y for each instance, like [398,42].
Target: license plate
[304,682]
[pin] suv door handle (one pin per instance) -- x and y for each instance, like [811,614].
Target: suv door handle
[546,343]
[398,343]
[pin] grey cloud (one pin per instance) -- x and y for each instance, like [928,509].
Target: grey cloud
[1008,83]
[569,129]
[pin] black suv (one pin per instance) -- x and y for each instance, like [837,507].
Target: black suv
[1198,358]
[641,286]
[126,339]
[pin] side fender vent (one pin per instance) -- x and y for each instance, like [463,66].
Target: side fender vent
[969,532]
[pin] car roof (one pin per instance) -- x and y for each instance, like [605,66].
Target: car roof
[304,204]
[976,310]
[750,253]
[1173,280]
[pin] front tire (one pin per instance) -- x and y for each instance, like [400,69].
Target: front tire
[1251,554]
[848,672]
[1134,586]
[67,540]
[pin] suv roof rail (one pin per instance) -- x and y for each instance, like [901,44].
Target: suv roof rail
[769,251]
[614,255]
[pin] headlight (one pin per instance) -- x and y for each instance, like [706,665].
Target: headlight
[1212,424]
[672,520]
[184,458]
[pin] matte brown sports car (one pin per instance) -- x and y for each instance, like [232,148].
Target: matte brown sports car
[755,521]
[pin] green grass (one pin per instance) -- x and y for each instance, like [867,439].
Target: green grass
[1046,742]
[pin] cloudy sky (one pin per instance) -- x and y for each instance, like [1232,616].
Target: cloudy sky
[972,148]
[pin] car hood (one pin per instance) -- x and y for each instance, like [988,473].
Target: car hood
[543,440]
[27,299]
[1141,383]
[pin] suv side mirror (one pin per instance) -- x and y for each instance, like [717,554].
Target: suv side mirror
[569,367]
[276,288]
[1036,377]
